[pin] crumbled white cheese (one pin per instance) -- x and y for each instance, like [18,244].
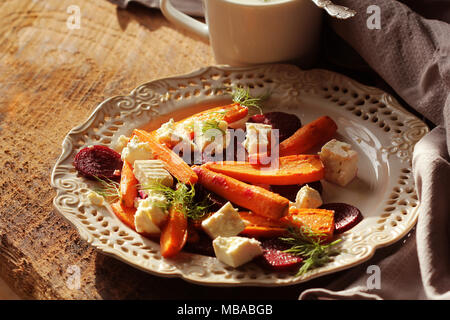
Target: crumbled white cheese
[150,214]
[136,150]
[166,131]
[308,197]
[340,162]
[212,134]
[226,222]
[149,172]
[257,139]
[172,134]
[95,199]
[121,143]
[235,251]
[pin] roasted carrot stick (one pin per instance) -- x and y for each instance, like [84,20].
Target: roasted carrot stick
[125,214]
[320,221]
[174,164]
[257,226]
[295,169]
[128,188]
[229,113]
[313,134]
[254,198]
[174,234]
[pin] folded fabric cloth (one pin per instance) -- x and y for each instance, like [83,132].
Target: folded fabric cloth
[411,53]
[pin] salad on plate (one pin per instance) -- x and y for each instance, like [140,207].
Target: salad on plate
[231,182]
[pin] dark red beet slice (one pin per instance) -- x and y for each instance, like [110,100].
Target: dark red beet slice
[290,191]
[274,257]
[345,216]
[286,123]
[98,161]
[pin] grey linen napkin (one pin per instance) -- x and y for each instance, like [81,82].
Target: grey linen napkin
[411,52]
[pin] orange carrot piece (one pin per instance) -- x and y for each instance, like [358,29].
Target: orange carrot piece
[318,220]
[174,234]
[231,113]
[257,226]
[128,185]
[234,112]
[251,218]
[313,134]
[173,163]
[254,198]
[295,169]
[125,214]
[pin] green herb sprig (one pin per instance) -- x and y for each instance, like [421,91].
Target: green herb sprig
[242,96]
[211,124]
[307,244]
[108,189]
[183,197]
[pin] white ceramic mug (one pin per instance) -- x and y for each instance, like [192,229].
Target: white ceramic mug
[246,32]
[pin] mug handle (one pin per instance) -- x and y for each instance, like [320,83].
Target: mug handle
[183,20]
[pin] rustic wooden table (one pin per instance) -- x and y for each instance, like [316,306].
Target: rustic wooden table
[51,78]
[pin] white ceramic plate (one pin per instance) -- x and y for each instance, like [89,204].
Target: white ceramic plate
[374,123]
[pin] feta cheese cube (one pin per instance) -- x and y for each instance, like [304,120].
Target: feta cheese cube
[257,139]
[308,198]
[136,150]
[225,222]
[121,143]
[95,199]
[150,214]
[235,251]
[340,162]
[149,172]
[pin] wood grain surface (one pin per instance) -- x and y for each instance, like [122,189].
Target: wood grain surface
[51,78]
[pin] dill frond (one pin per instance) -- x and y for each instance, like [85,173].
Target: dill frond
[183,197]
[108,189]
[211,124]
[242,96]
[307,244]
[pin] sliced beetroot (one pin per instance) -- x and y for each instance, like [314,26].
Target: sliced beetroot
[274,257]
[286,123]
[346,216]
[290,191]
[98,162]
